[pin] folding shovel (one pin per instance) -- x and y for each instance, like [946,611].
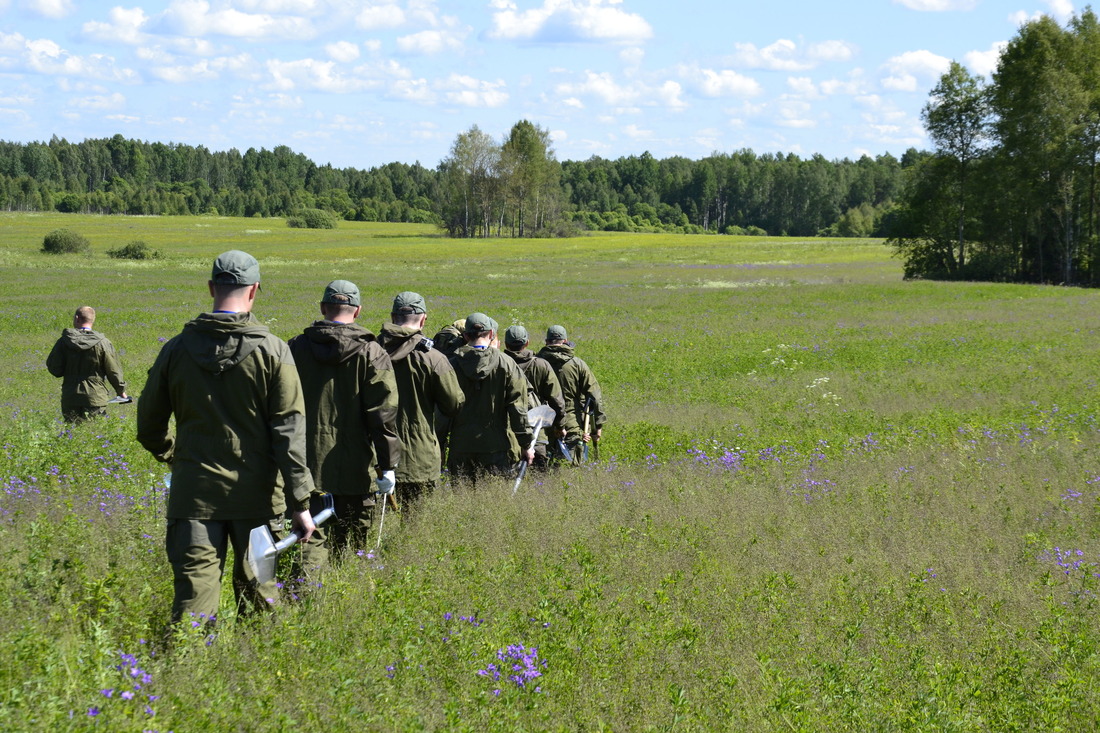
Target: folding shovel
[121,400]
[263,550]
[537,418]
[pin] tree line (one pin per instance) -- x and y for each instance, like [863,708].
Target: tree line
[514,187]
[1010,192]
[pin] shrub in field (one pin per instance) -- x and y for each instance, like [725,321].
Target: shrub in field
[65,241]
[135,250]
[312,219]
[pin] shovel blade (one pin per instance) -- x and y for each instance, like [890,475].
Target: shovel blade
[261,554]
[543,414]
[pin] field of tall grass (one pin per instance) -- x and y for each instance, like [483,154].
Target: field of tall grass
[827,499]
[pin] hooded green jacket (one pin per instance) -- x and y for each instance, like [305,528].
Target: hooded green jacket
[578,383]
[543,386]
[239,450]
[426,383]
[496,403]
[351,406]
[447,340]
[87,361]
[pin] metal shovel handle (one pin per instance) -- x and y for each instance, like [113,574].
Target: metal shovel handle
[294,537]
[523,464]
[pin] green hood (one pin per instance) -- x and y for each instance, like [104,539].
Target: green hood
[399,341]
[331,343]
[220,341]
[79,339]
[557,355]
[476,364]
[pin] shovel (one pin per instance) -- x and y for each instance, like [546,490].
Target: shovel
[121,400]
[537,417]
[262,548]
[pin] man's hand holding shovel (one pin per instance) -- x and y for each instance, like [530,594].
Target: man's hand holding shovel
[301,523]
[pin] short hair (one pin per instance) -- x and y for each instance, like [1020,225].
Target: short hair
[226,286]
[338,309]
[85,314]
[405,319]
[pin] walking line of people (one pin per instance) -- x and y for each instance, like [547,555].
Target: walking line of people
[262,425]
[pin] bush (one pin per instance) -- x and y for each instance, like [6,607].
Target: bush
[135,250]
[312,219]
[65,241]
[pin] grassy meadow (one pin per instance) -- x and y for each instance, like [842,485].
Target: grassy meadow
[826,499]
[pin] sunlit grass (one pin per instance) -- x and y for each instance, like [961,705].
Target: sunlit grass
[827,499]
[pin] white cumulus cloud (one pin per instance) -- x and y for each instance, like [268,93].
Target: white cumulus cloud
[343,51]
[413,90]
[903,71]
[304,7]
[44,56]
[99,101]
[431,42]
[795,115]
[377,17]
[124,26]
[52,8]
[938,6]
[1060,9]
[241,65]
[470,92]
[315,75]
[803,86]
[786,55]
[624,97]
[985,62]
[725,83]
[196,18]
[565,21]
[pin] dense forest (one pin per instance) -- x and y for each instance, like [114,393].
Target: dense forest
[1011,191]
[485,188]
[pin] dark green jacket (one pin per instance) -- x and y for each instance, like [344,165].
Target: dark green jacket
[239,450]
[351,406]
[578,383]
[426,383]
[87,362]
[447,340]
[543,387]
[496,403]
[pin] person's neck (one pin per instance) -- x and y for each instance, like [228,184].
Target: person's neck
[231,306]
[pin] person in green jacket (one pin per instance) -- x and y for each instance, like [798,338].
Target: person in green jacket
[238,456]
[429,392]
[86,362]
[579,388]
[542,389]
[493,421]
[351,411]
[449,337]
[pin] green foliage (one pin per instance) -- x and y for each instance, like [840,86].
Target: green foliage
[65,241]
[482,188]
[135,250]
[1010,194]
[312,219]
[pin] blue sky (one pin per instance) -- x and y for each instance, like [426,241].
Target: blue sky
[365,83]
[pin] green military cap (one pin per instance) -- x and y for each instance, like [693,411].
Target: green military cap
[341,292]
[409,302]
[556,333]
[516,336]
[478,323]
[241,266]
